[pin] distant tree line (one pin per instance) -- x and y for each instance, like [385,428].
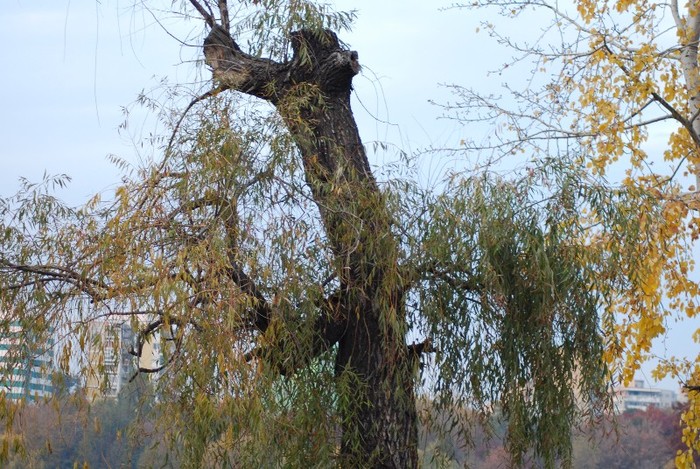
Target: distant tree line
[648,439]
[72,432]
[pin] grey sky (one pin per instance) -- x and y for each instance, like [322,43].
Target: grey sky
[70,67]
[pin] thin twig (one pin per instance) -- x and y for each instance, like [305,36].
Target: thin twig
[211,93]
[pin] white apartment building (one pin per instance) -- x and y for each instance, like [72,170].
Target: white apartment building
[639,397]
[26,365]
[111,363]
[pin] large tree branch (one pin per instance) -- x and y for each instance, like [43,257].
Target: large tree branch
[207,15]
[457,277]
[50,273]
[287,355]
[261,307]
[234,69]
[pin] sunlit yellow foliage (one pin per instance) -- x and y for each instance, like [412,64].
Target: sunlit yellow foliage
[636,76]
[691,422]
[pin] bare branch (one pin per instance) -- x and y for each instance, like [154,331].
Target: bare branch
[141,369]
[659,99]
[419,348]
[225,20]
[328,329]
[208,17]
[56,273]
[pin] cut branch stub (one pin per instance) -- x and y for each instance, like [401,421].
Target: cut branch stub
[318,58]
[239,71]
[326,63]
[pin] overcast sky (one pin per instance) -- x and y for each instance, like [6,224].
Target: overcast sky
[70,67]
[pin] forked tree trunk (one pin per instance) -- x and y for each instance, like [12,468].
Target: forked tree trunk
[374,368]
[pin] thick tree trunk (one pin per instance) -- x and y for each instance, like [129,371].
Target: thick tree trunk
[374,368]
[689,29]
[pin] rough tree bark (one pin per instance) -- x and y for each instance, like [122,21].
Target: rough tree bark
[374,366]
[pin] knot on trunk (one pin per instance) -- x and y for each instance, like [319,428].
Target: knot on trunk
[315,44]
[319,57]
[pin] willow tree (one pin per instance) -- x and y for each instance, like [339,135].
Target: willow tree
[606,77]
[298,300]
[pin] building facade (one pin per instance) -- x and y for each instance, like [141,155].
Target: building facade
[640,397]
[111,357]
[26,364]
[110,365]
